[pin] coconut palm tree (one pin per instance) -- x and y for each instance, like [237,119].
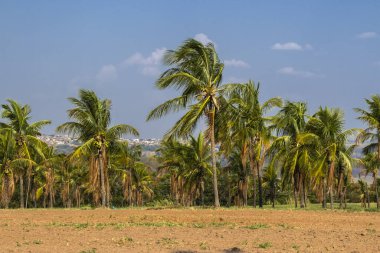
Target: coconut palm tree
[18,117]
[196,70]
[371,165]
[271,180]
[91,118]
[372,118]
[294,148]
[9,162]
[247,127]
[46,170]
[197,166]
[328,125]
[170,155]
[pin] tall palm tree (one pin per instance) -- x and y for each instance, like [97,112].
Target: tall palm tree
[197,166]
[91,119]
[328,125]
[9,162]
[372,118]
[196,70]
[271,180]
[294,148]
[371,165]
[46,168]
[247,127]
[18,117]
[170,155]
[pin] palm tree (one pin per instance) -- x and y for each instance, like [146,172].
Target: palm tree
[371,165]
[196,70]
[141,183]
[171,155]
[247,127]
[271,180]
[25,133]
[9,162]
[294,148]
[91,119]
[46,169]
[372,118]
[328,125]
[197,159]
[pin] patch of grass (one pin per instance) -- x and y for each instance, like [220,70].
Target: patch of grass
[93,250]
[296,247]
[81,225]
[37,242]
[167,241]
[156,224]
[122,241]
[265,245]
[204,246]
[285,226]
[256,226]
[371,230]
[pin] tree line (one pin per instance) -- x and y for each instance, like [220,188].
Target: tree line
[252,152]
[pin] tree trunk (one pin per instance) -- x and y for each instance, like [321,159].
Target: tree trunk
[229,188]
[302,194]
[295,196]
[340,188]
[324,193]
[213,155]
[102,183]
[21,191]
[305,191]
[27,189]
[202,192]
[331,190]
[260,187]
[376,190]
[368,200]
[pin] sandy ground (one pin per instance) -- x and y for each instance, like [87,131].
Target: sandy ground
[188,230]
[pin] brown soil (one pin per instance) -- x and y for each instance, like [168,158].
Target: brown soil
[188,230]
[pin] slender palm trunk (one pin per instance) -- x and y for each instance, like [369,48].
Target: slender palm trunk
[27,189]
[229,188]
[375,183]
[261,202]
[5,191]
[324,192]
[273,194]
[376,190]
[340,188]
[102,181]
[213,155]
[302,194]
[130,188]
[21,177]
[202,192]
[295,188]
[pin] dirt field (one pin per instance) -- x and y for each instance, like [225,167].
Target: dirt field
[187,230]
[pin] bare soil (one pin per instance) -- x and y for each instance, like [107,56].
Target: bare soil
[188,230]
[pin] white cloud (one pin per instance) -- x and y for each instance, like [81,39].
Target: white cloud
[236,63]
[291,46]
[150,64]
[293,72]
[106,74]
[367,35]
[201,37]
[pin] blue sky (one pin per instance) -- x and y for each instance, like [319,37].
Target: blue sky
[322,52]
